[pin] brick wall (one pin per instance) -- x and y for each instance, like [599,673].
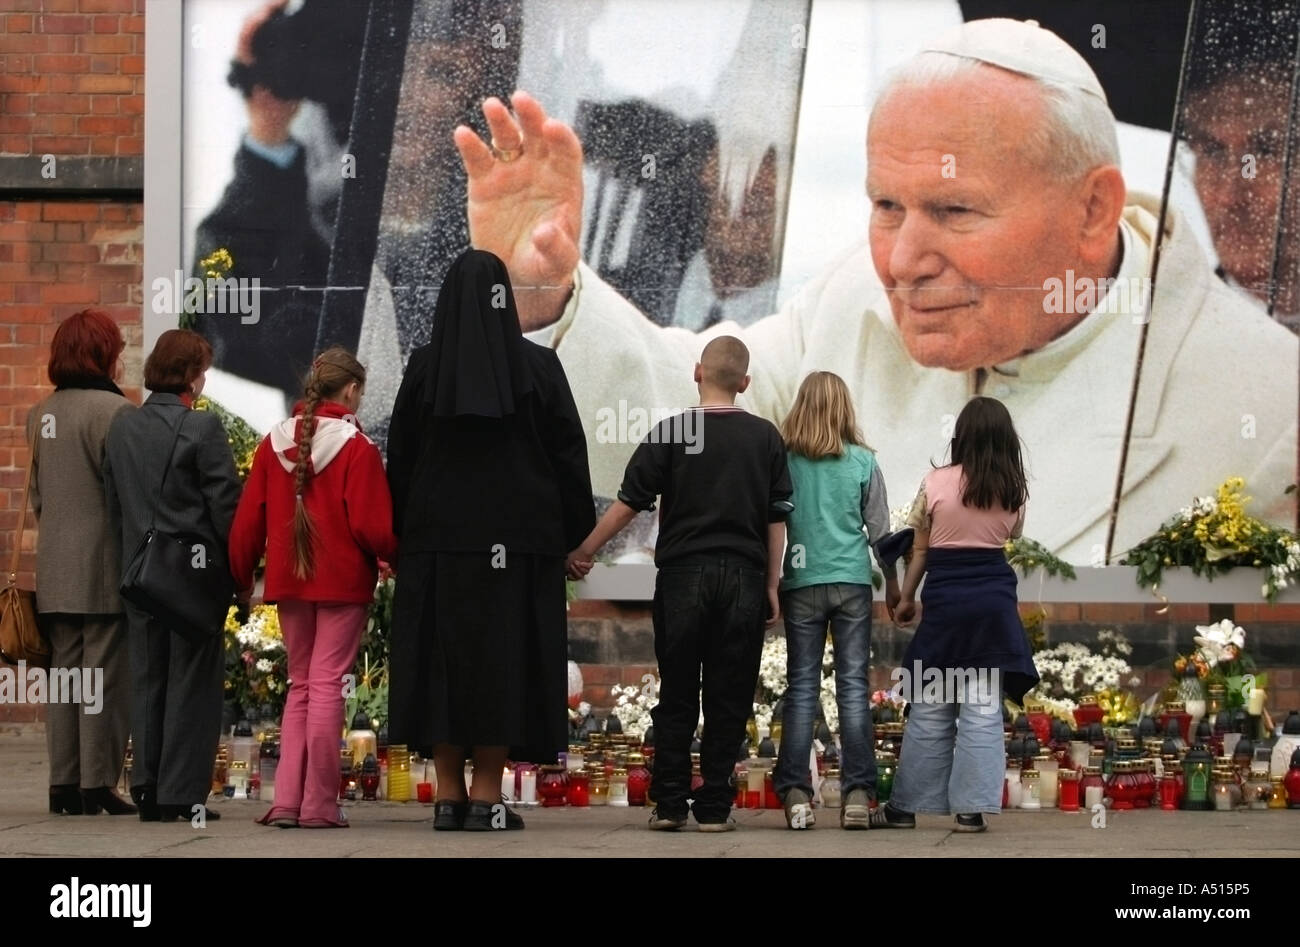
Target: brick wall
[613,643]
[71,86]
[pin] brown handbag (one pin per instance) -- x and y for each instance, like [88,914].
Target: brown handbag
[20,636]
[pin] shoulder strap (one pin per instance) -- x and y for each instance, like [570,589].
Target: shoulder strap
[22,516]
[171,452]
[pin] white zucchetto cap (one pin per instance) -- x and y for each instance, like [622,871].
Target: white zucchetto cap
[1023,47]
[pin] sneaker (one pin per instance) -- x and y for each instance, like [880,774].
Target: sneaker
[971,822]
[856,813]
[887,817]
[799,810]
[491,817]
[727,826]
[449,816]
[666,821]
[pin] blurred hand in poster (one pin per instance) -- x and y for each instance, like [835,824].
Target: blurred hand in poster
[268,115]
[525,202]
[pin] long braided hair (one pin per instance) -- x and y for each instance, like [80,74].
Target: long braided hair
[333,370]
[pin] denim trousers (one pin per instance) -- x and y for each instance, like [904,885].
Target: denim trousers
[953,758]
[844,608]
[709,616]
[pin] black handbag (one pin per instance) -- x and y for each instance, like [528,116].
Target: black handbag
[177,579]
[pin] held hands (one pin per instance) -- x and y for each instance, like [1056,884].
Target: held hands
[578,563]
[905,612]
[525,202]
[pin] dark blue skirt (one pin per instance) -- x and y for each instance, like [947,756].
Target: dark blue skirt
[969,619]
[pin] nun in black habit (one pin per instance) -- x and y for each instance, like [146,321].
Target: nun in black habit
[487,462]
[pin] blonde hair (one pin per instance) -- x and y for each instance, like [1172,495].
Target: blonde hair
[333,370]
[822,420]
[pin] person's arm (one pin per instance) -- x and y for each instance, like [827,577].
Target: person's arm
[33,434]
[367,503]
[919,520]
[643,483]
[566,448]
[875,517]
[403,430]
[1019,529]
[218,479]
[248,532]
[779,507]
[775,559]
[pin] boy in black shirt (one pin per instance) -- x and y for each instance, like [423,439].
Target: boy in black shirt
[726,493]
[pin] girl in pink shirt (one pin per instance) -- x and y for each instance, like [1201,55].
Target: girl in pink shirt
[970,646]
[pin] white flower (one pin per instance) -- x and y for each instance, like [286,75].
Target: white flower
[263,665]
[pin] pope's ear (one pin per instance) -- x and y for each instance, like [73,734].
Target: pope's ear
[1104,194]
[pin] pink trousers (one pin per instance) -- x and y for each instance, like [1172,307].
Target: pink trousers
[321,642]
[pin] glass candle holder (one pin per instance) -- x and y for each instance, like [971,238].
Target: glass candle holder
[599,791]
[579,789]
[831,789]
[552,786]
[1092,787]
[1049,783]
[1069,791]
[1031,789]
[618,788]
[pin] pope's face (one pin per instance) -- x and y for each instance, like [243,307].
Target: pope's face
[965,227]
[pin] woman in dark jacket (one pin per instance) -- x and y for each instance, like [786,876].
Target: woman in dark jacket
[176,683]
[487,461]
[77,563]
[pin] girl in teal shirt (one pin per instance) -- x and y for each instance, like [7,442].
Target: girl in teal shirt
[840,508]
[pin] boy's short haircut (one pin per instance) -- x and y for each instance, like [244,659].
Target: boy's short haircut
[725,363]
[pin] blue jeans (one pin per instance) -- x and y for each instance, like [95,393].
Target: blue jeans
[846,608]
[953,758]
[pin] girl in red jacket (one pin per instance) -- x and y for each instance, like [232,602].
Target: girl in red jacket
[317,502]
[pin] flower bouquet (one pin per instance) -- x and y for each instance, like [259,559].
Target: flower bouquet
[1214,535]
[1220,658]
[1070,670]
[256,665]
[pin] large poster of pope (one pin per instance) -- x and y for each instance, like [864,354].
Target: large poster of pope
[1087,211]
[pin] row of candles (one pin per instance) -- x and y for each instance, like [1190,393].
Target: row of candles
[1069,773]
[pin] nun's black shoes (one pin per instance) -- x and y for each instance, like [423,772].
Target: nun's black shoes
[65,799]
[449,816]
[103,798]
[491,817]
[887,817]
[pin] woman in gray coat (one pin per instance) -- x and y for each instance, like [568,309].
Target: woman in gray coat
[77,566]
[176,683]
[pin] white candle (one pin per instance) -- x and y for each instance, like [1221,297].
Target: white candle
[1048,782]
[1092,797]
[528,787]
[1255,703]
[508,784]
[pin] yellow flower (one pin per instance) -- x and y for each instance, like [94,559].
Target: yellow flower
[217,263]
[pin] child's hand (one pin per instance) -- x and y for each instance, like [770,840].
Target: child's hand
[773,606]
[578,563]
[905,612]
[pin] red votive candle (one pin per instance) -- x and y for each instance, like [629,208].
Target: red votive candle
[424,792]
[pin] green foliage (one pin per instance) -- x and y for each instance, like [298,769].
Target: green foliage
[1026,555]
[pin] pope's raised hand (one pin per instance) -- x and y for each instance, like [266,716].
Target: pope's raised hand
[525,202]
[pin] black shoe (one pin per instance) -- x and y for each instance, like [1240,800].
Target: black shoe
[449,816]
[491,817]
[146,800]
[887,817]
[92,800]
[65,799]
[186,813]
[970,822]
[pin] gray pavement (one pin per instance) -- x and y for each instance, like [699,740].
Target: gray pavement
[404,831]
